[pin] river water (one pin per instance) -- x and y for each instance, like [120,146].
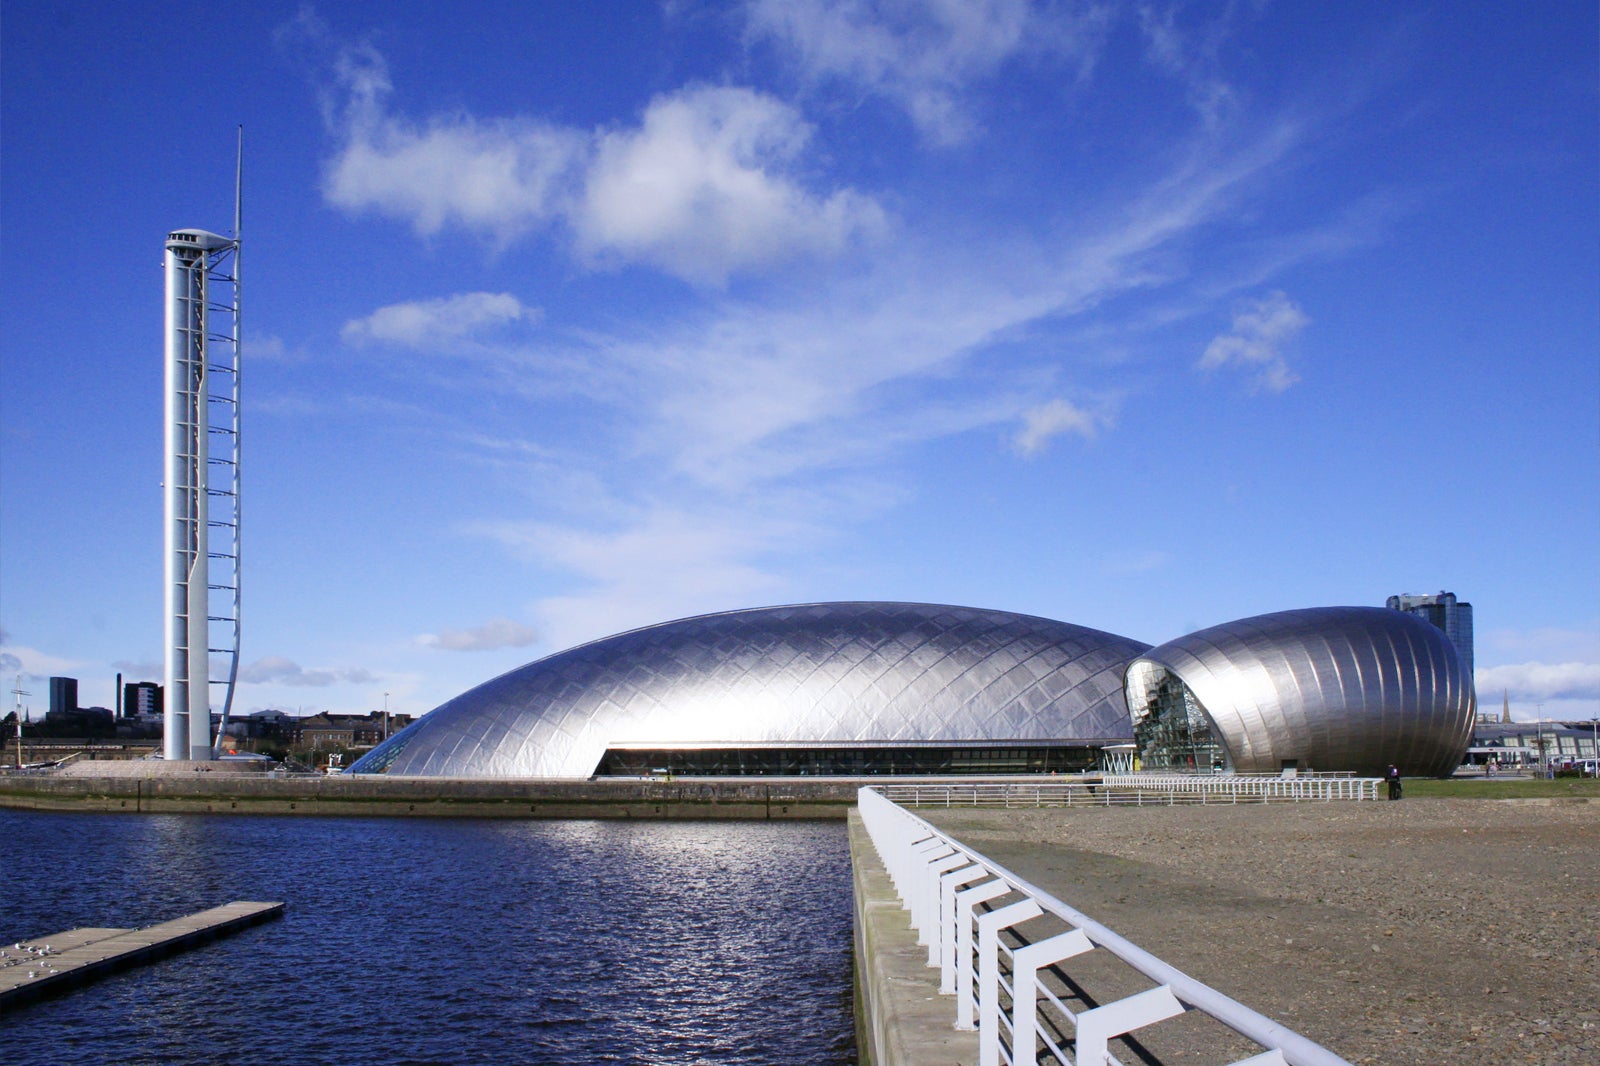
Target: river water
[443,940]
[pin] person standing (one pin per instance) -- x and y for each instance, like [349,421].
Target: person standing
[1393,777]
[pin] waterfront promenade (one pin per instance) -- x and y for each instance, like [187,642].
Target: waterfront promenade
[1421,932]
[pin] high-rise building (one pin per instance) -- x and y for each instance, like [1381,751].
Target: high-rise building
[1446,612]
[63,695]
[141,698]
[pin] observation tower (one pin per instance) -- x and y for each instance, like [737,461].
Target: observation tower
[201,484]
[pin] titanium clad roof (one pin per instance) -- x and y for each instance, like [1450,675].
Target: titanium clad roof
[1336,688]
[837,674]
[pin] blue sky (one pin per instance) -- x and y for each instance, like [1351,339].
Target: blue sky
[562,319]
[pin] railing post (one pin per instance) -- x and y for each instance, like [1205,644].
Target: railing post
[989,927]
[966,902]
[911,860]
[925,908]
[1026,962]
[948,884]
[1096,1027]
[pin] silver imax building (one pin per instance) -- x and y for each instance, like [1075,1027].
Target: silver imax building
[1329,688]
[864,688]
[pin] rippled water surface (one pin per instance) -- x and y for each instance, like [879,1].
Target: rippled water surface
[443,941]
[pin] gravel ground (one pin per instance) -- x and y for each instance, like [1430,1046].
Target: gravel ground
[1425,931]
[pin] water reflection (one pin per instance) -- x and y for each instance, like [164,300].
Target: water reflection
[446,940]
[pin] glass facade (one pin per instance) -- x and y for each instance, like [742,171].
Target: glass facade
[1169,725]
[845,762]
[1445,612]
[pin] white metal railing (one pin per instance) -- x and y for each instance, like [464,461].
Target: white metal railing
[961,903]
[1265,787]
[1113,790]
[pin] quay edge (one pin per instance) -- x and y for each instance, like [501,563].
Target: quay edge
[364,796]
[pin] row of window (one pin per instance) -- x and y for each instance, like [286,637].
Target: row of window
[844,762]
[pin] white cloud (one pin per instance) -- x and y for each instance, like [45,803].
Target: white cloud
[31,663]
[433,323]
[784,403]
[499,178]
[923,55]
[767,415]
[1540,681]
[657,563]
[269,348]
[278,670]
[1052,419]
[1191,55]
[741,394]
[492,635]
[698,189]
[1261,330]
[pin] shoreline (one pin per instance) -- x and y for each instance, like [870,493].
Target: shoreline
[377,795]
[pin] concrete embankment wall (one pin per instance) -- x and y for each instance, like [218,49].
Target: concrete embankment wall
[901,1019]
[200,793]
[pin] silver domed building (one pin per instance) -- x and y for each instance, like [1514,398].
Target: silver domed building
[1329,688]
[820,688]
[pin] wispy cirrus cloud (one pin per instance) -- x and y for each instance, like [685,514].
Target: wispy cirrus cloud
[441,321]
[759,414]
[924,57]
[658,561]
[278,670]
[1048,420]
[1261,330]
[1190,53]
[492,635]
[761,420]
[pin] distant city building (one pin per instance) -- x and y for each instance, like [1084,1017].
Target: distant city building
[330,730]
[264,725]
[1447,613]
[63,695]
[141,699]
[81,721]
[1532,743]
